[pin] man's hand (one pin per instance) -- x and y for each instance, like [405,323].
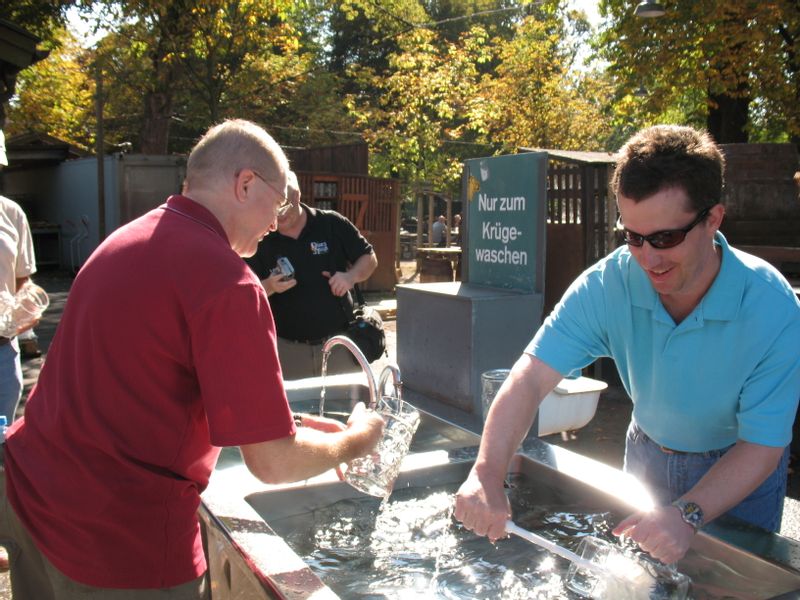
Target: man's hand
[340,282]
[483,508]
[322,423]
[277,284]
[661,532]
[368,425]
[27,327]
[327,426]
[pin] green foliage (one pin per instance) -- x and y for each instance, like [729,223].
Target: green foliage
[704,57]
[427,83]
[440,102]
[55,96]
[42,18]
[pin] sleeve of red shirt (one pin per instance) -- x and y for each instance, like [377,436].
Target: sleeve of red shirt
[236,358]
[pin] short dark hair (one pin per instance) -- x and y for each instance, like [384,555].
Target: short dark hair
[666,156]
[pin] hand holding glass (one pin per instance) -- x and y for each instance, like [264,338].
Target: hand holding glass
[21,311]
[375,473]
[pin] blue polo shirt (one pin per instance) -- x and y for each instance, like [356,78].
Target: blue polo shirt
[730,370]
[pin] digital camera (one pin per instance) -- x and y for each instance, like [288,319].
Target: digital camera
[284,268]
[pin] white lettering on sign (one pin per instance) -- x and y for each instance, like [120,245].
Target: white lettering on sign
[486,203]
[511,204]
[498,231]
[502,256]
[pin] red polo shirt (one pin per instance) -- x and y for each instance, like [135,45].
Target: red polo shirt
[165,351]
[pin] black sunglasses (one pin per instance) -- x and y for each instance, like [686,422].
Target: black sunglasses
[668,238]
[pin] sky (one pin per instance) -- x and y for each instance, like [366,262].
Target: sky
[590,8]
[83,30]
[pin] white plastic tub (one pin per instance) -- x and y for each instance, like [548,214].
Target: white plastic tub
[571,405]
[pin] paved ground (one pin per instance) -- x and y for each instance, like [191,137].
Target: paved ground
[602,438]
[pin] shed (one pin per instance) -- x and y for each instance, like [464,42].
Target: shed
[761,198]
[63,195]
[581,213]
[372,204]
[336,178]
[17,51]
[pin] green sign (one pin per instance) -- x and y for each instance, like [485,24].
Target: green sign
[505,200]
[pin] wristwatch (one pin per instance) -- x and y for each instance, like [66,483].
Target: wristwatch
[691,513]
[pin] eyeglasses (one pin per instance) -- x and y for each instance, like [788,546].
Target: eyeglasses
[667,238]
[284,200]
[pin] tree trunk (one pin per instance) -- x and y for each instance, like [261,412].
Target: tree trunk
[172,29]
[727,118]
[155,126]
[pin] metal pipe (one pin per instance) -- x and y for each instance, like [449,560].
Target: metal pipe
[342,340]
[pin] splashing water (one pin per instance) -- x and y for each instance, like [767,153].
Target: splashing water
[411,547]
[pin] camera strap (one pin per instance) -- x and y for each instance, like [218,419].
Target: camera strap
[348,308]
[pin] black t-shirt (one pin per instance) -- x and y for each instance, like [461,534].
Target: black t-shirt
[328,242]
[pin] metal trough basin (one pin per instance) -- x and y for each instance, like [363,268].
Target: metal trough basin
[261,539]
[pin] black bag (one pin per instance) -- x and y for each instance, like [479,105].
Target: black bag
[366,330]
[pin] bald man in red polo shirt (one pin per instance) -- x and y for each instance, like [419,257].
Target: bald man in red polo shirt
[140,390]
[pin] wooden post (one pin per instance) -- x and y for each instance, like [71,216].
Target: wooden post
[431,217]
[420,198]
[101,185]
[449,217]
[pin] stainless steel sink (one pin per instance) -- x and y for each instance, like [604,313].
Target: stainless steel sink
[717,569]
[250,528]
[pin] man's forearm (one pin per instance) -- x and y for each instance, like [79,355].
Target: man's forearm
[304,455]
[363,268]
[512,413]
[734,477]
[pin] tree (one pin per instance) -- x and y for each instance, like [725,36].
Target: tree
[421,99]
[55,96]
[441,101]
[42,18]
[535,98]
[713,59]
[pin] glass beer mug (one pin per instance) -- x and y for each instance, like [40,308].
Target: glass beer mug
[22,310]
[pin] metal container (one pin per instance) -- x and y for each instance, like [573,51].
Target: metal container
[245,521]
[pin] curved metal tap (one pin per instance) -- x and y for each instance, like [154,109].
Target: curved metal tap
[342,340]
[392,371]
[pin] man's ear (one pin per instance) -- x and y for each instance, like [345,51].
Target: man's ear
[244,181]
[716,216]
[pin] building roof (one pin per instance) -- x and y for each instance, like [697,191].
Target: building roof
[576,156]
[18,47]
[29,149]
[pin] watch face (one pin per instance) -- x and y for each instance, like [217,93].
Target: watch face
[691,513]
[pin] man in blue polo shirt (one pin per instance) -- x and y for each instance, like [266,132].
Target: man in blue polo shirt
[705,340]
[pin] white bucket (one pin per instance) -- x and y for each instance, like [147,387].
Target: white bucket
[571,405]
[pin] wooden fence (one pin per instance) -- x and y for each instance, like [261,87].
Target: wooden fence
[580,219]
[371,204]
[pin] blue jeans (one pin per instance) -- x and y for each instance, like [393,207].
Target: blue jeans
[10,380]
[670,475]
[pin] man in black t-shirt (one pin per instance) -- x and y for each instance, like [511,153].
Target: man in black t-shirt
[329,256]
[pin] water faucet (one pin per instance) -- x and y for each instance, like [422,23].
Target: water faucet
[341,340]
[392,371]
